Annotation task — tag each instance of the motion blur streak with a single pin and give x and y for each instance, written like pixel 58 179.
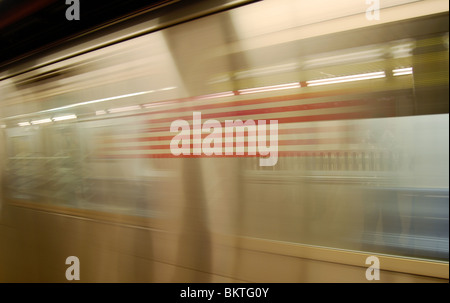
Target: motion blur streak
pixel 87 170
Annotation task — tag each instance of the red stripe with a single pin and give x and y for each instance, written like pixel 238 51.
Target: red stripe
pixel 280 154
pixel 245 102
pixel 218 104
pixel 345 140
pixel 269 110
pixel 309 118
pixel 230 104
pixel 239 103
pixel 304 130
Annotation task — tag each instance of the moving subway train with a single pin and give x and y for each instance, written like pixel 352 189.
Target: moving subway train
pixel 278 141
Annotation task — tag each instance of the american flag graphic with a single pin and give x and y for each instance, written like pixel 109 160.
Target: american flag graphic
pixel 309 123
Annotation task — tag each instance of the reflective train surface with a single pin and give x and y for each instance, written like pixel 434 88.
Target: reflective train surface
pixel 279 141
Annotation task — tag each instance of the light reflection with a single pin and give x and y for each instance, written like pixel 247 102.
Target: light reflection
pixel 41 121
pixel 123 109
pixel 62 118
pixel 269 88
pixel 343 79
pixel 402 71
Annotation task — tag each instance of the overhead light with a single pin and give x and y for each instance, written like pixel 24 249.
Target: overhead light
pixel 167 88
pixel 100 112
pixel 92 102
pixel 269 88
pixel 24 123
pixel 3 126
pixel 217 95
pixel 123 109
pixel 67 117
pixel 402 71
pixel 101 100
pixel 85 103
pixel 343 79
pixel 159 104
pixel 47 120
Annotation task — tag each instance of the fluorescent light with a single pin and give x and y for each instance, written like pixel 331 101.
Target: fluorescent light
pixel 92 102
pixel 217 95
pixel 167 88
pixel 24 123
pixel 85 103
pixel 399 70
pixel 47 120
pixel 343 79
pixel 67 117
pixel 402 71
pixel 102 100
pixel 269 88
pixel 100 112
pixel 159 104
pixel 123 109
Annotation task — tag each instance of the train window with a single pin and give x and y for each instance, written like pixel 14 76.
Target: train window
pixel 361 109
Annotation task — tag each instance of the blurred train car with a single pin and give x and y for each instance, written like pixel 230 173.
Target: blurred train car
pixel 361 166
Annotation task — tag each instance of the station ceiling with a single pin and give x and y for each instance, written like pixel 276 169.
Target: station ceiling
pixel 29 25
